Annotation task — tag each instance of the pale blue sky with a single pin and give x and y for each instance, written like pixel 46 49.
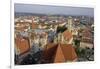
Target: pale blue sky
pixel 47 9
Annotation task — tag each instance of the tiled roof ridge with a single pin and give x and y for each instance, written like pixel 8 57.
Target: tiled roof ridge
pixel 62 50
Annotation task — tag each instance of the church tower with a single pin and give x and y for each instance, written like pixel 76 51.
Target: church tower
pixel 70 22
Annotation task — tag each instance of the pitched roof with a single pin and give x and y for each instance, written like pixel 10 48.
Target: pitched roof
pixel 49 52
pixel 67 35
pixel 22 44
pixel 65 53
pixel 87 36
pixel 86 33
pixel 59 56
pixel 57 53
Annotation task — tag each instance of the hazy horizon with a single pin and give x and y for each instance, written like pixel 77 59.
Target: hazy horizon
pixel 53 10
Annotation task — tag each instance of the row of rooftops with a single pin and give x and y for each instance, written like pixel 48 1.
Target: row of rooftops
pixel 52 52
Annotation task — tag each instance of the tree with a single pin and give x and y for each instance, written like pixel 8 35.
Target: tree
pixel 61 29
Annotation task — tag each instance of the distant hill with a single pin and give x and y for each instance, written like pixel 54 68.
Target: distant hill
pixel 17 14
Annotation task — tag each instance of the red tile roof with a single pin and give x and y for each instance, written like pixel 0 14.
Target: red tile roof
pixel 65 53
pixel 87 33
pixel 87 36
pixel 22 44
pixel 67 35
pixel 56 53
pixel 49 52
